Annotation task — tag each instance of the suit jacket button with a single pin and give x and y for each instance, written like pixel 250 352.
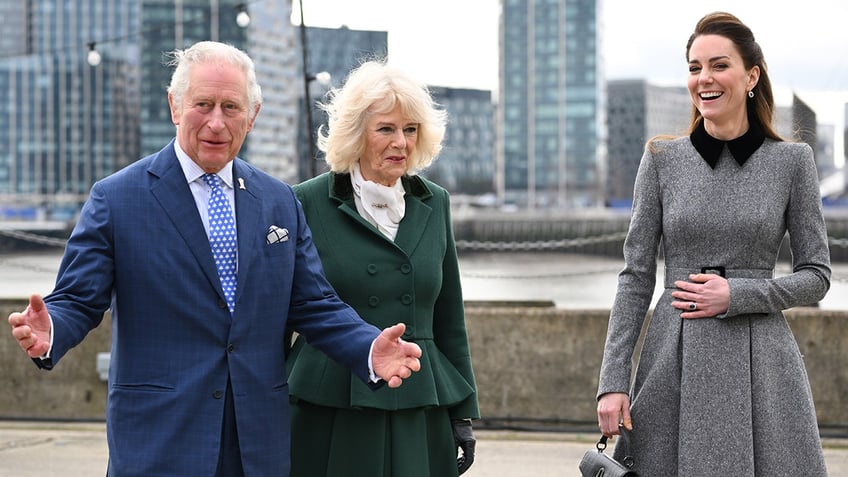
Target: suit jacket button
pixel 373 301
pixel 222 303
pixel 405 268
pixel 230 348
pixel 372 269
pixel 406 299
pixel 218 394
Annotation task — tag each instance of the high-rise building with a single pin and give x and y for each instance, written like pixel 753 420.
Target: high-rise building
pixel 804 124
pixel 636 112
pixel 551 114
pixel 14 16
pixel 825 161
pixel 845 150
pixel 273 43
pixel 65 123
pixel 466 164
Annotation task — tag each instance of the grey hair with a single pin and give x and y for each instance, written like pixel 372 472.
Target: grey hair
pixel 212 51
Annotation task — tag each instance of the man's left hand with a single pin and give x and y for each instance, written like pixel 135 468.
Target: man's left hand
pixel 394 359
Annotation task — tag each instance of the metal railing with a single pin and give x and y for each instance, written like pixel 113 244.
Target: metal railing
pixel 464 245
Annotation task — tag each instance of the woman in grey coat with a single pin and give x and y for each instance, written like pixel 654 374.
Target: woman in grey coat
pixel 720 387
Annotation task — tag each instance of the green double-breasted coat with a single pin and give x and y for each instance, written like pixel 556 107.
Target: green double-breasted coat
pixel 414 280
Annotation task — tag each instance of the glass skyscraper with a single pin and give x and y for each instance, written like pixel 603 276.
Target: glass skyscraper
pixel 466 162
pixel 65 124
pixel 551 115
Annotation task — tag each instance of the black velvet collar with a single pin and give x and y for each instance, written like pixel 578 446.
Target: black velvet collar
pixel 342 189
pixel 740 148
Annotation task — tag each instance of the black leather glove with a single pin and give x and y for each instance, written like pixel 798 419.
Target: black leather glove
pixel 463 436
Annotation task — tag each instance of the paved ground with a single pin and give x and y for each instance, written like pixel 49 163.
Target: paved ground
pixel 49 449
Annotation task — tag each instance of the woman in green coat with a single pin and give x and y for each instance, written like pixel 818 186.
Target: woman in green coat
pixel 386 243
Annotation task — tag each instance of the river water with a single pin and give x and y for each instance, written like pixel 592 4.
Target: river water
pixel 568 280
pixel 578 281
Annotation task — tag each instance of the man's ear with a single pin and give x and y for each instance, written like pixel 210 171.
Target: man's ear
pixel 255 114
pixel 175 109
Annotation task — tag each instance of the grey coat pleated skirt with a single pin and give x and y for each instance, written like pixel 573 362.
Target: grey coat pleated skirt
pixel 727 395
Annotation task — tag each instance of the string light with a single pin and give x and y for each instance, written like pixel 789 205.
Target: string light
pixel 93 57
pixel 323 78
pixel 242 18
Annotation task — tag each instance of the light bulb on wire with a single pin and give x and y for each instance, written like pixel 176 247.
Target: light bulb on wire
pixel 93 58
pixel 242 18
pixel 323 78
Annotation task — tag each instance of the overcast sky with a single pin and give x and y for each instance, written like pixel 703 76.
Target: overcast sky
pixel 455 42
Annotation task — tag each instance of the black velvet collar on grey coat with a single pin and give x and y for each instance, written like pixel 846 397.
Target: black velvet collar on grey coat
pixel 342 188
pixel 740 148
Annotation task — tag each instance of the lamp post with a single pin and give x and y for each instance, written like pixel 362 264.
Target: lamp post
pixel 307 102
pixel 323 78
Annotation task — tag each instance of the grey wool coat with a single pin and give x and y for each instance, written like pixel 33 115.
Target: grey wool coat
pixel 728 395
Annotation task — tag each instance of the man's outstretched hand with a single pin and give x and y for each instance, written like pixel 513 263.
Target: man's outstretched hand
pixel 31 327
pixel 394 359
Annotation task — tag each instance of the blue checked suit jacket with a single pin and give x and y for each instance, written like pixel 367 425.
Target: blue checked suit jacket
pixel 140 249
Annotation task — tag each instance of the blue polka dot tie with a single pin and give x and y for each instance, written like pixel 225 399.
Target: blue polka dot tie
pixel 222 237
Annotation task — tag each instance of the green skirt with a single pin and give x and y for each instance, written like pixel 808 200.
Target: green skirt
pixel 332 442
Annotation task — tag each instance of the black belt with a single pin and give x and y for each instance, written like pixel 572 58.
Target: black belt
pixel 674 274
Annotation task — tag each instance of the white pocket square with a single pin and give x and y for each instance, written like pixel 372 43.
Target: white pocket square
pixel 276 234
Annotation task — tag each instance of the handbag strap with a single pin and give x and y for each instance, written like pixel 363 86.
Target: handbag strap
pixel 602 445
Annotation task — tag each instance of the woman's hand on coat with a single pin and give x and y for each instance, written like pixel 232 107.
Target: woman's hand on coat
pixel 704 296
pixel 394 359
pixel 614 412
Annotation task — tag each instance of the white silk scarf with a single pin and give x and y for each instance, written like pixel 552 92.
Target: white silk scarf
pixel 380 205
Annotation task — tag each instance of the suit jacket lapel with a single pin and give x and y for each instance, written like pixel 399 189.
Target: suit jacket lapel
pixel 251 231
pixel 174 196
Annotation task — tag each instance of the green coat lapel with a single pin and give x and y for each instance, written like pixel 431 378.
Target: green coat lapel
pixel 415 219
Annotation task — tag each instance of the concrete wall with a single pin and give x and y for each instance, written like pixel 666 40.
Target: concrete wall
pixel 536 366
pixel 73 390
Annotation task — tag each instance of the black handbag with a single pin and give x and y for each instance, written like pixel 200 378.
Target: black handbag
pixel 597 464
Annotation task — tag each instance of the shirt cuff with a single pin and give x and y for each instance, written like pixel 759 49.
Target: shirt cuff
pixel 371 375
pixel 46 355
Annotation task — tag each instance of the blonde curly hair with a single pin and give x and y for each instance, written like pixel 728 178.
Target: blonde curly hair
pixel 375 87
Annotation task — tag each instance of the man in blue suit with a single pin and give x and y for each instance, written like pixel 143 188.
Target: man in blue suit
pixel 197 383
